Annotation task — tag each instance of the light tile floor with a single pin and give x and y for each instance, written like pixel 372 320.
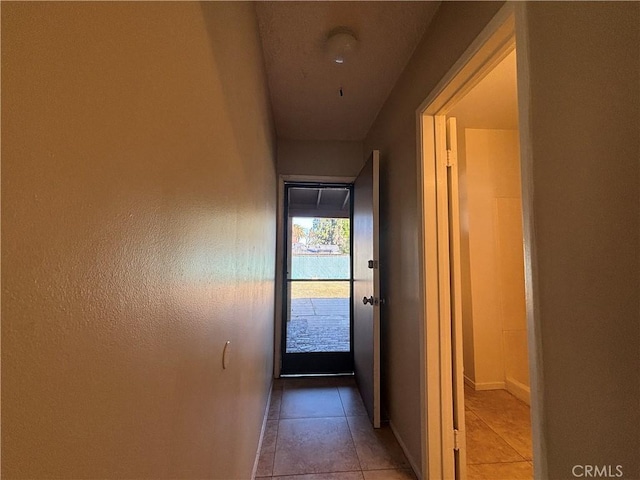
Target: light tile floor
pixel 498 436
pixel 318 429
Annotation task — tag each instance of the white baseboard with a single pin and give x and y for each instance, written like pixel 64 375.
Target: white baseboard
pixel 416 469
pixel 484 385
pixel 519 390
pixel 469 383
pixel 264 428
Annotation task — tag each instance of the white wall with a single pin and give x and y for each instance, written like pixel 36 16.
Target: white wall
pixel 138 215
pixel 319 157
pixel 493 225
pixel 583 126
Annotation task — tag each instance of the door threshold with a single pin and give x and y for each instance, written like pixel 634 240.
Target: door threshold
pixel 305 375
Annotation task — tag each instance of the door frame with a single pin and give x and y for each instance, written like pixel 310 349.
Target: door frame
pixel 280 248
pixel 496 40
pixel 314 363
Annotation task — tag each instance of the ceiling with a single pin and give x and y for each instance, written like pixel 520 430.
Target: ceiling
pixel 493 102
pixel 305 83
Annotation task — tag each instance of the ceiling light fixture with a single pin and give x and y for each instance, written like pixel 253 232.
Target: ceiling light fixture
pixel 341 42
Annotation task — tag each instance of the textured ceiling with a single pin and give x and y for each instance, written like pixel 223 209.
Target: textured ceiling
pixel 304 83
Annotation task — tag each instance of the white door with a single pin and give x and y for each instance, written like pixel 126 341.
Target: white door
pixel 456 301
pixel 450 285
pixel 366 286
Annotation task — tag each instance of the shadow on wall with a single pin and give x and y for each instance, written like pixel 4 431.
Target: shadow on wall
pixel 228 44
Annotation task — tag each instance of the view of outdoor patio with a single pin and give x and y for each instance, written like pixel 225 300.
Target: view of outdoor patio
pixel 319 318
pixel 319 287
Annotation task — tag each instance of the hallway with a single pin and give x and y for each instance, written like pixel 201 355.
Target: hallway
pixel 145 149
pixel 318 429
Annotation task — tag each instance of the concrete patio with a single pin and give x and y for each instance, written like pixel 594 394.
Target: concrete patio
pixel 318 325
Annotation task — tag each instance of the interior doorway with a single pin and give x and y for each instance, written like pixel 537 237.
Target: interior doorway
pixel 490 267
pixel 317 331
pixel 477 340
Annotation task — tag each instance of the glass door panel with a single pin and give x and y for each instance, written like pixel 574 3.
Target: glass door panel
pixel 317 333
pixel 319 317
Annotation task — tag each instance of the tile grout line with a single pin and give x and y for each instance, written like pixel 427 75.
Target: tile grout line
pixel 353 441
pixel 501 438
pixel 275 447
pixel 344 410
pixel 478 413
pixel 505 440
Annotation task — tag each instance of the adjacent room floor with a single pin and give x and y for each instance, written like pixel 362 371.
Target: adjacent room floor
pixel 498 436
pixel 318 429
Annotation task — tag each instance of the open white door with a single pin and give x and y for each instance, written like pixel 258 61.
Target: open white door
pixel 444 385
pixel 366 286
pixel 455 272
pixel 450 301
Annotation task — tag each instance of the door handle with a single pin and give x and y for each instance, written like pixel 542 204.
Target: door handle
pixel 371 300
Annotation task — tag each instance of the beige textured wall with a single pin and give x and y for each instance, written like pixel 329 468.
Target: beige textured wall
pixel 496 270
pixel 455 25
pixel 584 130
pixel 138 230
pixel 319 158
